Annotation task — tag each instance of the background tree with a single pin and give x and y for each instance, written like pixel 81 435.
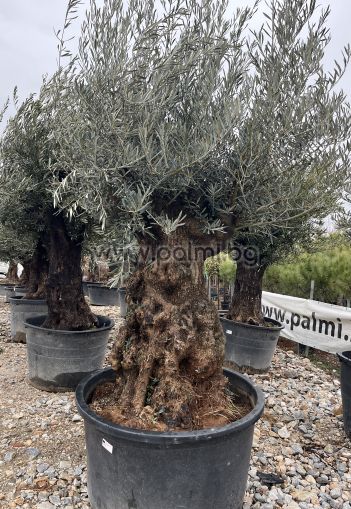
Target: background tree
pixel 327 261
pixel 27 154
pixel 15 250
pixel 293 148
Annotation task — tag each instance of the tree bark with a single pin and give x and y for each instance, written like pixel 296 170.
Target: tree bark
pixel 38 273
pixel 68 309
pixel 11 275
pixel 169 355
pixel 246 305
pixel 23 280
pixel 90 270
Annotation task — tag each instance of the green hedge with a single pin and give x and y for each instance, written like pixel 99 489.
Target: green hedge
pixel 330 269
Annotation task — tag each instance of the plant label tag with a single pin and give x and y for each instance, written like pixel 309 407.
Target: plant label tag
pixel 229 331
pixel 107 446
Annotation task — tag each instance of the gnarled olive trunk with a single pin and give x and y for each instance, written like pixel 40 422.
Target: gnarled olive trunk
pixel 68 309
pixel 246 305
pixel 169 355
pixel 38 273
pixel 11 275
pixel 24 278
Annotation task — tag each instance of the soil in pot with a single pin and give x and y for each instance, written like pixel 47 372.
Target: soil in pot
pixel 105 404
pixel 59 359
pixel 250 348
pixel 345 377
pixel 200 469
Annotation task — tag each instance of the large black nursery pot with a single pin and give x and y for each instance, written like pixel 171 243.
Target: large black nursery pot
pixel 20 291
pixel 7 291
pixel 345 376
pixel 131 468
pixel 3 287
pixel 251 347
pixel 20 310
pixel 58 360
pixel 100 295
pixel 85 286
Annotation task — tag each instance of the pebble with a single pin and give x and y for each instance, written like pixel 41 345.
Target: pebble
pixel 45 505
pixel 32 452
pixel 283 432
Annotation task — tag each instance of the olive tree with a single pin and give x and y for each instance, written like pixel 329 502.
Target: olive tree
pixel 27 156
pixel 154 101
pixel 293 148
pixel 21 205
pixel 16 250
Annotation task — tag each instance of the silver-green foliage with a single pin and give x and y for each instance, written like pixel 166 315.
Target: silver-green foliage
pixel 14 247
pixel 155 98
pixel 171 116
pixel 293 150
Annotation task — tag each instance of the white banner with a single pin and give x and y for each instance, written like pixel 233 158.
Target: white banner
pixel 309 322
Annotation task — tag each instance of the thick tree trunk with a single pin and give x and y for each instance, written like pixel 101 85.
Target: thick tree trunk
pixel 68 309
pixel 246 305
pixel 169 355
pixel 24 279
pixel 11 275
pixel 38 273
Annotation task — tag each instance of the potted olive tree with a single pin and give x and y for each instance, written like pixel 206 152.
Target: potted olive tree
pixel 27 297
pixel 292 149
pixel 222 268
pixel 23 247
pixel 17 250
pixel 68 341
pixel 155 98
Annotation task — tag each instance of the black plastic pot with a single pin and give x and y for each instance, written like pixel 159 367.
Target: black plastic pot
pixel 85 286
pixel 103 295
pixel 3 287
pixel 345 376
pixel 58 360
pixel 20 310
pixel 9 292
pixel 131 468
pixel 250 347
pixel 123 307
pixel 20 291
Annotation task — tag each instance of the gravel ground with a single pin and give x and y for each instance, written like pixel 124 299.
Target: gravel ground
pixel 301 458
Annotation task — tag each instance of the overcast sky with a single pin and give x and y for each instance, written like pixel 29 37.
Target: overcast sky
pixel 28 47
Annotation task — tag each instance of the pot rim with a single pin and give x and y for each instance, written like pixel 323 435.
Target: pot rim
pixel 278 325
pixel 87 385
pixel 343 358
pixel 18 299
pixel 107 326
pixel 103 287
